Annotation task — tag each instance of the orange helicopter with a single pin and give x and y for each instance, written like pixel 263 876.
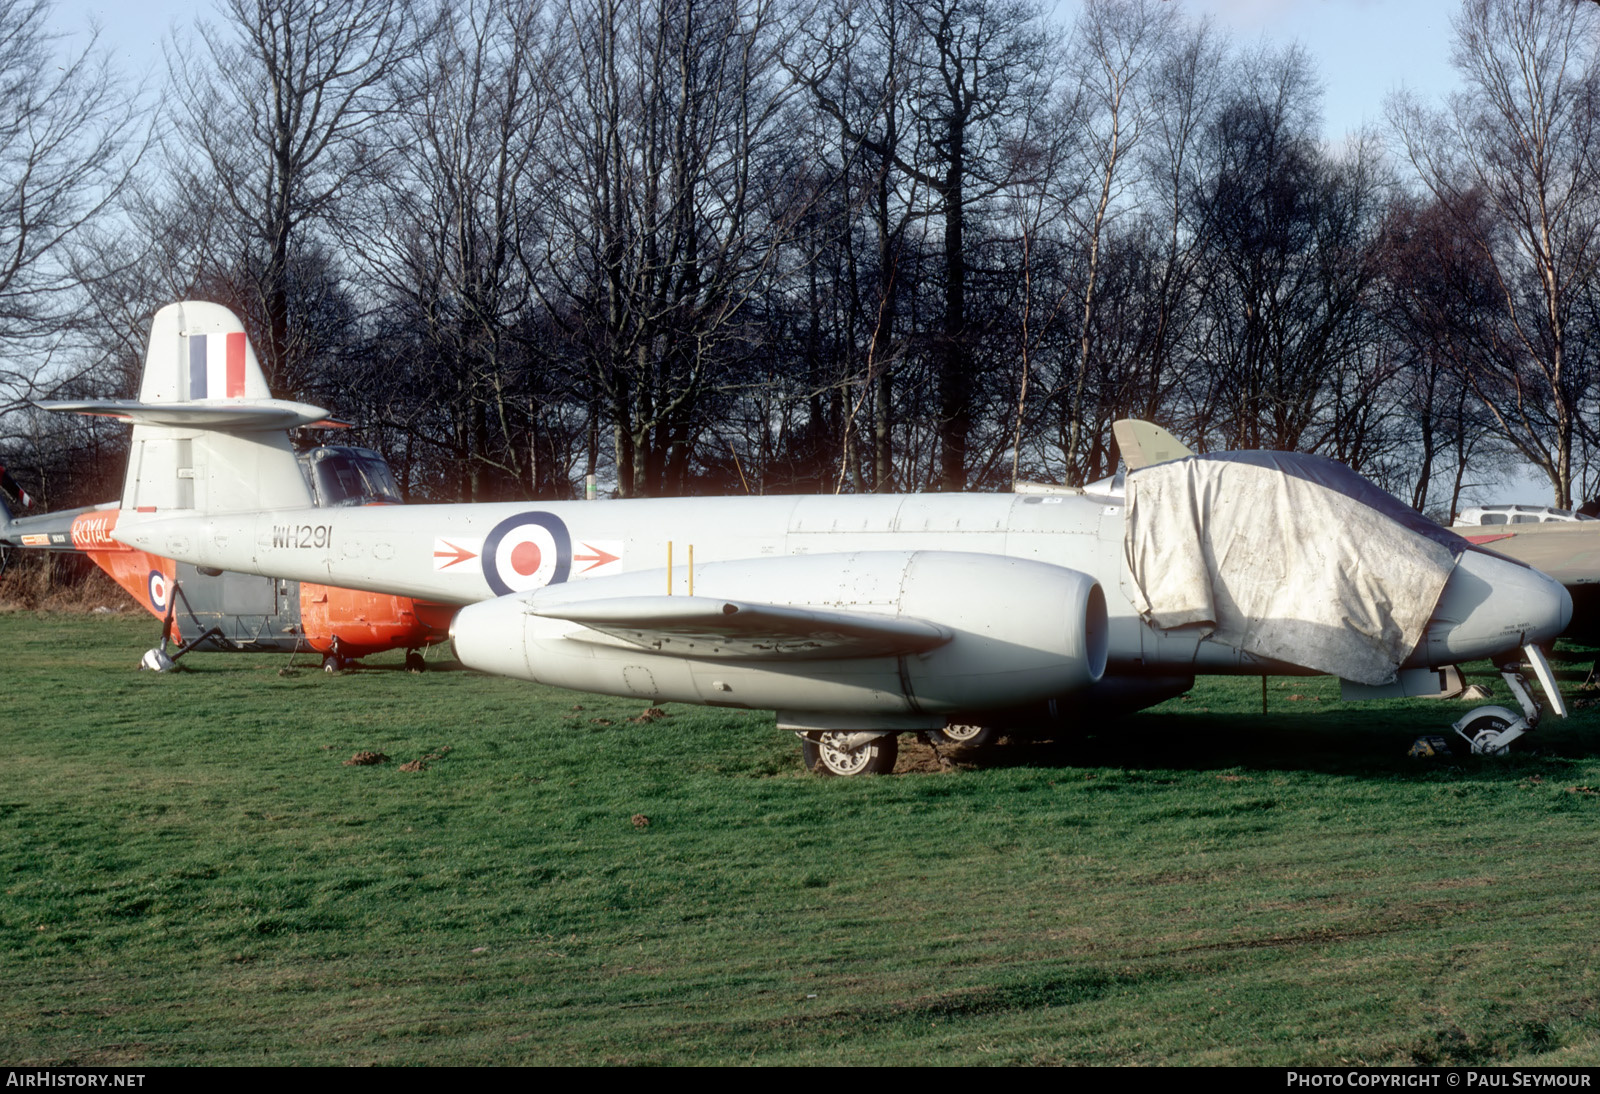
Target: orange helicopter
pixel 207 609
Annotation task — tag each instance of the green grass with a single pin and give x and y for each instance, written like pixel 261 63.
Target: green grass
pixel 189 873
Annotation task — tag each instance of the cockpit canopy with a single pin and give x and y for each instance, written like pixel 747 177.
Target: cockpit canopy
pixel 341 475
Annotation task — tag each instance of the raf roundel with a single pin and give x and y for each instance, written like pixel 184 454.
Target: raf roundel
pixel 157 584
pixel 527 551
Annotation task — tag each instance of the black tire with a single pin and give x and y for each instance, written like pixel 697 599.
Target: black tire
pixel 966 735
pixel 332 663
pixel 876 757
pixel 414 661
pixel 1487 723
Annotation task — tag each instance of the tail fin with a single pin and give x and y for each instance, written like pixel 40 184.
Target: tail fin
pixel 207 435
pixel 1145 443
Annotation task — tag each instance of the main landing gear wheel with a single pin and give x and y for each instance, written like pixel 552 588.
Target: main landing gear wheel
pixel 966 735
pixel 414 661
pixel 824 754
pixel 332 663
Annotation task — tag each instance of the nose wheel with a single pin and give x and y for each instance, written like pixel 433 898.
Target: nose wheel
pixel 1489 730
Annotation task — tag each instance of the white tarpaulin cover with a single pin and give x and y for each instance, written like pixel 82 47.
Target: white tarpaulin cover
pixel 1286 556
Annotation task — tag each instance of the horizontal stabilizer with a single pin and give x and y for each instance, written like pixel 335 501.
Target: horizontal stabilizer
pixel 232 414
pixel 712 627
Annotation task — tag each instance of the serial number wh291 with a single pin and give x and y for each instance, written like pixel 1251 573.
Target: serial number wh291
pixel 302 535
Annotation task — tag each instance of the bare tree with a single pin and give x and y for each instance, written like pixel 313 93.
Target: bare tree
pixel 71 134
pixel 280 122
pixel 454 238
pixel 677 192
pixel 1436 302
pixel 984 69
pixel 960 80
pixel 1116 43
pixel 68 144
pixel 1524 138
pixel 1288 234
pixel 855 60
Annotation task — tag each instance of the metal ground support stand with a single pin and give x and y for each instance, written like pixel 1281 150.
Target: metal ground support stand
pixel 1490 730
pixel 158 659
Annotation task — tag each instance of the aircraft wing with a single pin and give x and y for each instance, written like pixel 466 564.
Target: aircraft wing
pixel 737 630
pixel 1568 552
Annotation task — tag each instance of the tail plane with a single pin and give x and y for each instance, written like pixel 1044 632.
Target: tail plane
pixel 207 435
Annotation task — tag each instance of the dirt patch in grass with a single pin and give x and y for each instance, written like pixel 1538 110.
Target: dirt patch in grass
pixel 421 762
pixel 916 756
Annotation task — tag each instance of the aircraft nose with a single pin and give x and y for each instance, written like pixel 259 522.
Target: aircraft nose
pixel 1493 606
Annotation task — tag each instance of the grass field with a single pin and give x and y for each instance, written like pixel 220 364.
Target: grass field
pixel 193 874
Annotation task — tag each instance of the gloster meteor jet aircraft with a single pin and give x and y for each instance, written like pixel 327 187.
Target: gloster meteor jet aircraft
pixel 855 618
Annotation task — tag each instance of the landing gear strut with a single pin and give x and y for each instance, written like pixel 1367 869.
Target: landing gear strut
pixel 157 659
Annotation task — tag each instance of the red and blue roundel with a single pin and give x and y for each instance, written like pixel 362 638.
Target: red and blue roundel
pixel 159 591
pixel 525 552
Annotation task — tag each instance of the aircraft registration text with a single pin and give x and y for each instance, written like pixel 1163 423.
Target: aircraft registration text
pixel 302 535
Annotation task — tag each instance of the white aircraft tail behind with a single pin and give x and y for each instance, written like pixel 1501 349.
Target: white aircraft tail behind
pixel 207 435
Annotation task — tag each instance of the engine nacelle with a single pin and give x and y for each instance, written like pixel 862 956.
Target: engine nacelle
pixel 1020 631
